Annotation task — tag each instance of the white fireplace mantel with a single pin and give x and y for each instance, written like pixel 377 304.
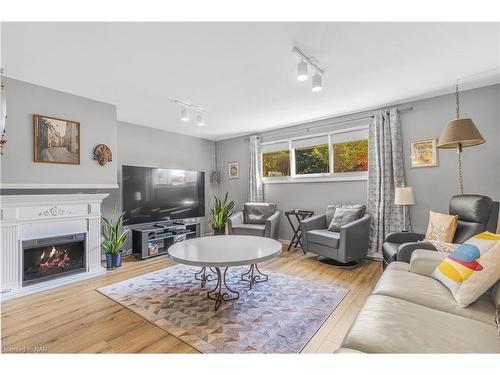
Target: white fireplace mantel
pixel 27 217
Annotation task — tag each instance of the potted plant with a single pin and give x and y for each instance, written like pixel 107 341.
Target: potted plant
pixel 114 238
pixel 219 214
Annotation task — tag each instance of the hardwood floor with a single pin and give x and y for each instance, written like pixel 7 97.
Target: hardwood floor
pixel 78 319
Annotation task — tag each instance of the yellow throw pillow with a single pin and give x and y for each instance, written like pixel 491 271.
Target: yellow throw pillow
pixel 472 268
pixel 441 227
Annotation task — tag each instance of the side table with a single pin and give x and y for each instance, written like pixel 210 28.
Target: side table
pixel 299 216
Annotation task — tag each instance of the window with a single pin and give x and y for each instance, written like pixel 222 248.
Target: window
pixel 341 154
pixel 276 164
pixel 350 156
pixel 311 160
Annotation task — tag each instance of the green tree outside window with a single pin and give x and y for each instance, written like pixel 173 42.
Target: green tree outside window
pixel 350 156
pixel 311 160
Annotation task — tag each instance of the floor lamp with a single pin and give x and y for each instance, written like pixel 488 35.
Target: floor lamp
pixel 404 197
pixel 460 133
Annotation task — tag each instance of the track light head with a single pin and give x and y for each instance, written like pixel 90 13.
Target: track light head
pixel 184 113
pixel 302 70
pixel 199 119
pixel 316 83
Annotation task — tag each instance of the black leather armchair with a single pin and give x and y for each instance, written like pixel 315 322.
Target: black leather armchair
pixel 476 214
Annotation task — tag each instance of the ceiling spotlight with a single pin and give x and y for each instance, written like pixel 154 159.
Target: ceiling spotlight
pixel 184 113
pixel 302 70
pixel 306 62
pixel 316 83
pixel 199 119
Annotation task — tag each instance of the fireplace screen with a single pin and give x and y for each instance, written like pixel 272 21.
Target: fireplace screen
pixel 47 258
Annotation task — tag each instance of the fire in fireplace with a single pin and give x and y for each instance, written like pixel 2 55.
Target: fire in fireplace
pixel 46 258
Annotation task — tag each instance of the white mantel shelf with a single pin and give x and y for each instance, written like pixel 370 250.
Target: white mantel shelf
pixel 26 217
pixel 27 186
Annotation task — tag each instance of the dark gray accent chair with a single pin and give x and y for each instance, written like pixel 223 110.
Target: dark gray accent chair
pixel 256 219
pixel 476 214
pixel 345 248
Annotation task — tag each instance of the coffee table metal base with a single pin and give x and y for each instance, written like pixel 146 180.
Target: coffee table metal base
pixel 206 274
pixel 221 292
pixel 253 275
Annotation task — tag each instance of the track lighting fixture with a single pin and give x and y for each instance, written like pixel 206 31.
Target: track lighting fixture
pixel 302 70
pixel 199 119
pixel 185 110
pixel 316 83
pixel 184 113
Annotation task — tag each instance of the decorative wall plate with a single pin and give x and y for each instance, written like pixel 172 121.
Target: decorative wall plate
pixel 103 154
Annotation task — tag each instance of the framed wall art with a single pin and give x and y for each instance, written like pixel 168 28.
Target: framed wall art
pixel 56 140
pixel 233 169
pixel 424 153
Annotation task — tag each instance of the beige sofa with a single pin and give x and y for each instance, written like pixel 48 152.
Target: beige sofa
pixel 410 312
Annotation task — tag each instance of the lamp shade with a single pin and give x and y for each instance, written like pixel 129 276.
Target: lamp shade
pixel 404 196
pixel 461 132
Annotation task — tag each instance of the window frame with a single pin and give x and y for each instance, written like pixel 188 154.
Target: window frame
pixel 316 177
pixel 281 178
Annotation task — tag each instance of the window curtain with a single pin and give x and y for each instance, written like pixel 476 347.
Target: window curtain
pixel 255 188
pixel 385 173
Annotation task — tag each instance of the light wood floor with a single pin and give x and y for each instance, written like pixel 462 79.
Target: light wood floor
pixel 76 318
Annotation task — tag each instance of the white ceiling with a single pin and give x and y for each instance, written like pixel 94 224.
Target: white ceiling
pixel 244 73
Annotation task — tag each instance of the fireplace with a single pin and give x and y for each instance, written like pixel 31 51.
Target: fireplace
pixel 48 258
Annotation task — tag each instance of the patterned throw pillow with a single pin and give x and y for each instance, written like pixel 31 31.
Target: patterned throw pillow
pixel 472 268
pixel 441 227
pixel 343 216
pixel 445 247
pixel 330 210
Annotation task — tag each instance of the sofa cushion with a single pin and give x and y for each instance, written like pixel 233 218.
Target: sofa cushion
pixel 324 237
pixel 391 325
pixel 390 251
pixel 425 291
pixel 472 269
pixel 399 266
pixel 330 210
pixel 258 213
pixel 424 262
pixel 343 216
pixel 441 227
pixel 249 229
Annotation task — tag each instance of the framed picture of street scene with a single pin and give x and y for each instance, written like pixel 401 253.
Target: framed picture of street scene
pixel 56 140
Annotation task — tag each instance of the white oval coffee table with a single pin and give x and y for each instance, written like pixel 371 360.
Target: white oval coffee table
pixel 216 252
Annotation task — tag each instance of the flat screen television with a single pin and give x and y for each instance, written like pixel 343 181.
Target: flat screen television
pixel 155 194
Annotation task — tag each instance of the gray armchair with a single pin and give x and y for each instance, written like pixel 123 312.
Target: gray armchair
pixel 346 247
pixel 256 219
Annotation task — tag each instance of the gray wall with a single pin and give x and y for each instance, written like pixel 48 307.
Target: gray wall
pixel 147 147
pixel 433 186
pixel 97 125
pixel 131 145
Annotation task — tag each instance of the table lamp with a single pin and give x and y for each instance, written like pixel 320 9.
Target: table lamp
pixel 404 197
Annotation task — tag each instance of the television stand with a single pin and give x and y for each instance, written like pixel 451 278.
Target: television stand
pixel 154 239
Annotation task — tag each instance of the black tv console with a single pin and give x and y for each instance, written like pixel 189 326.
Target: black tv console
pixel 154 239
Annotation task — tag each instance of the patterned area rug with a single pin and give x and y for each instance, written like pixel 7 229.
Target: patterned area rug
pixel 277 316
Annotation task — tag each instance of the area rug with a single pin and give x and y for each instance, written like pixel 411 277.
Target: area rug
pixel 277 316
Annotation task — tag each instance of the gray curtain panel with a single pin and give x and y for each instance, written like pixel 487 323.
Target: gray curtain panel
pixel 385 172
pixel 255 188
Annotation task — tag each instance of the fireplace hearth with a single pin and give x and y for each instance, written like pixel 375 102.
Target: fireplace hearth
pixel 48 258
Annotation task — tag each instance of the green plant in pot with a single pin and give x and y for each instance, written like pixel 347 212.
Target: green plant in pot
pixel 219 214
pixel 114 236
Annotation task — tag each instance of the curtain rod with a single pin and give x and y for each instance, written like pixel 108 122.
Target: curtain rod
pixel 407 109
